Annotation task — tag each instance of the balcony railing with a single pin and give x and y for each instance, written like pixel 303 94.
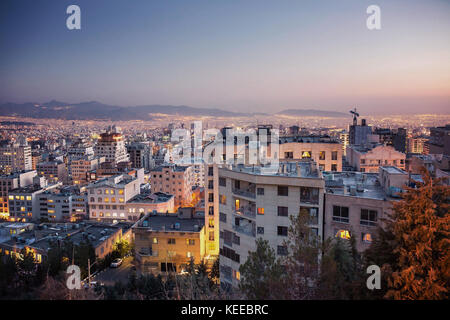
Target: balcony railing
pixel 247 230
pixel 246 211
pixel 244 193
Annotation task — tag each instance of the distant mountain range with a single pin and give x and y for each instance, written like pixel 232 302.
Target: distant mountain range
pixel 94 110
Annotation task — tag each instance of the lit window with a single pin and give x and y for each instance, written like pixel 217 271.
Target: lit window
pixel 366 237
pixel 260 210
pixel 121 200
pixel 121 191
pixel 344 234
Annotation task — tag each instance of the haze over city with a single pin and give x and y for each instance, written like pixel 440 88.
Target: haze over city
pixel 241 56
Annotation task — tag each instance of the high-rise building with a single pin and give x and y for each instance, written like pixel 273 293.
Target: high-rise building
pixel 253 204
pixel 140 155
pixel 15 157
pixel 359 134
pixel 111 145
pixel 439 142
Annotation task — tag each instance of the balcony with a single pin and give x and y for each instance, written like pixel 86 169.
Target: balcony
pixel 247 211
pixel 244 193
pixel 248 230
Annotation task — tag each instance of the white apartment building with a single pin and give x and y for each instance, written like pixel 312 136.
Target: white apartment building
pixel 254 204
pixel 107 197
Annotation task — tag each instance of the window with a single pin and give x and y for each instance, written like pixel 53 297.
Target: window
pixel 223 199
pixel 283 211
pixel 260 230
pixel 236 239
pixel 340 214
pixel 366 237
pixel 306 154
pixel 171 241
pixel 211 236
pixel 289 155
pixel 222 217
pixel 322 155
pixel 261 211
pixel 211 184
pixel 211 211
pixel 309 195
pixel 237 204
pixel 368 217
pixel 282 250
pixel 210 171
pixel 190 242
pixel 282 231
pixel 211 197
pixel 222 182
pixel 333 167
pixel 260 191
pixel 189 254
pixel 211 223
pixel 343 234
pixel 155 240
pixel 283 191
pixel 334 155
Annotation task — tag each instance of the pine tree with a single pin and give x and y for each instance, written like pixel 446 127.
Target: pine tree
pixel 261 274
pixel 421 227
pixel 302 261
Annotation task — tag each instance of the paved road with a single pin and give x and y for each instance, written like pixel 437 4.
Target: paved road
pixel 111 275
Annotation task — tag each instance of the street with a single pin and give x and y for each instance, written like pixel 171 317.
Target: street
pixel 111 275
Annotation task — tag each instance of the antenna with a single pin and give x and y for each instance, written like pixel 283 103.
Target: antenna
pixel 355 116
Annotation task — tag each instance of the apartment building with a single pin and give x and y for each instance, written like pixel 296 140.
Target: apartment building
pixel 111 145
pixel 357 203
pixel 369 159
pixel 147 202
pixel 439 142
pixel 10 182
pixel 80 168
pixel 23 201
pixel 53 171
pixel 15 157
pixel 166 243
pixel 175 180
pixel 325 151
pixel 253 204
pixel 140 155
pixel 107 197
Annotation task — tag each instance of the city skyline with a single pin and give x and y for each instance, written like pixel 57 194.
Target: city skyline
pixel 234 56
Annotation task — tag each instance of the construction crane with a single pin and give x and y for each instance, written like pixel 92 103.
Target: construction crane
pixel 355 116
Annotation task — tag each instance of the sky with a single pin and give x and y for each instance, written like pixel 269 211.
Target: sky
pixel 252 55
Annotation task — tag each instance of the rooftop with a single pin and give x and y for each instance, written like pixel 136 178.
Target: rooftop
pixel 170 223
pixel 299 168
pixel 307 139
pixel 157 197
pixel 356 184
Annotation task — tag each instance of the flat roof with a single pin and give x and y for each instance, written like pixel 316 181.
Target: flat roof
pixel 393 170
pixel 165 223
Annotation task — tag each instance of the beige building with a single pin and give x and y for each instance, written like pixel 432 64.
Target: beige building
pixel 53 171
pixel 81 167
pixel 175 180
pixel 370 159
pixel 255 204
pixel 326 152
pixel 111 145
pixel 166 242
pixel 356 203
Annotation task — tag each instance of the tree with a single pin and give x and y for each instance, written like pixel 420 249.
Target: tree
pixel 302 261
pixel 214 273
pixel 421 229
pixel 340 270
pixel 261 274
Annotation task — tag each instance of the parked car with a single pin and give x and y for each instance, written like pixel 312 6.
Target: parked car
pixel 116 263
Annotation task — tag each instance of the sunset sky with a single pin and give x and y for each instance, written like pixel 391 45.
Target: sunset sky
pixel 252 55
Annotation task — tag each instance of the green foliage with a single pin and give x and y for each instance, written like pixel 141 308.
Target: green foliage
pixel 261 274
